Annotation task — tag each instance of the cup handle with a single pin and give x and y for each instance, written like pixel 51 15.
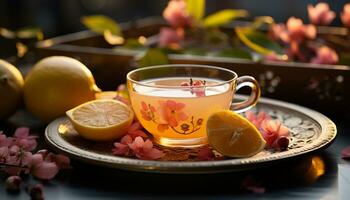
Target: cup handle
pixel 253 98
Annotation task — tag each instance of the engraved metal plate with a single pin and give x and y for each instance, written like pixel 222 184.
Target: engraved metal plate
pixel 310 131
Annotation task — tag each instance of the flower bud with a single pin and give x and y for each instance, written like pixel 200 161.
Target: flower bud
pixel 13 183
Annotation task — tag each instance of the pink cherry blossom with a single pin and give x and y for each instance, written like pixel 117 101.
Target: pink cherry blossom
pixel 257 119
pixel 345 15
pixel 176 14
pixel 279 32
pixel 24 140
pixel 5 141
pixel 171 113
pixel 62 161
pixel 144 149
pixel 205 153
pixel 325 55
pixel 41 168
pixel 13 183
pixel 272 131
pixel 196 87
pixel 320 14
pixel 169 37
pixel 135 130
pixel 122 148
pixel 293 32
pixel 298 31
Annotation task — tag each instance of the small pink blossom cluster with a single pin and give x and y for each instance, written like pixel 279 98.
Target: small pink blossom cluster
pixel 178 18
pixel 345 15
pixel 296 34
pixel 273 131
pixel 196 87
pixel 135 143
pixel 17 157
pixel 321 14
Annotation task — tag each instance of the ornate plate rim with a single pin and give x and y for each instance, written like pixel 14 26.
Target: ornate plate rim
pixel 328 134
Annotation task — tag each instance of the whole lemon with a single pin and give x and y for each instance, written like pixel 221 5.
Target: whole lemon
pixel 11 86
pixel 57 84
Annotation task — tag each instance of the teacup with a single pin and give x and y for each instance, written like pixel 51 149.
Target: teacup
pixel 173 102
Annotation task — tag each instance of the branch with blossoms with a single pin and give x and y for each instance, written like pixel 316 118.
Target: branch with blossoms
pixel 17 157
pixel 301 42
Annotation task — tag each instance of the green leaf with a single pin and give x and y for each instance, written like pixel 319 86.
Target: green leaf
pixel 153 57
pixel 195 51
pixel 223 17
pixel 258 41
pixel 132 43
pixel 101 23
pixel 196 8
pixel 235 53
pixel 30 32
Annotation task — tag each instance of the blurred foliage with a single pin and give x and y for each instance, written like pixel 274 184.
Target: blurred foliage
pixel 23 38
pixel 235 53
pixel 196 8
pixel 223 17
pixel 153 57
pixel 257 41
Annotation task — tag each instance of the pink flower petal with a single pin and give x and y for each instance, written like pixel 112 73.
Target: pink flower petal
pixel 144 106
pixel 325 55
pixel 182 116
pixel 171 104
pixel 127 139
pixel 176 14
pixel 345 153
pixel 162 127
pixel 320 14
pixel 35 160
pixel 137 133
pixel 172 121
pixel 45 171
pixel 345 15
pixel 120 149
pixel 135 126
pixel 205 154
pixel 180 106
pixel 4 153
pixel 152 154
pixel 62 161
pixel 22 132
pixel 147 145
pixel 5 141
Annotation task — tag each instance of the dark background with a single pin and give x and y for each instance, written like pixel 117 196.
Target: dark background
pixel 57 17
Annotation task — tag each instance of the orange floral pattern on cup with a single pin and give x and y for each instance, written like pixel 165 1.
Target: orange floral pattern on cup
pixel 170 114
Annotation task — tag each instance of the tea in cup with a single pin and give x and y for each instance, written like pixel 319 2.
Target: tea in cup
pixel 173 102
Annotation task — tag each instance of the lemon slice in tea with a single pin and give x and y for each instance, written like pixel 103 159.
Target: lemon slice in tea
pixel 232 135
pixel 101 120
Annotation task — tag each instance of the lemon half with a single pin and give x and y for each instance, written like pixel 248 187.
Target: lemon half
pixel 232 135
pixel 102 119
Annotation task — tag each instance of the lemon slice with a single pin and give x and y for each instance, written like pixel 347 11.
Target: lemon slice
pixel 102 119
pixel 232 135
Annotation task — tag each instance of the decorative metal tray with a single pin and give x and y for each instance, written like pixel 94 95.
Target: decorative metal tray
pixel 310 131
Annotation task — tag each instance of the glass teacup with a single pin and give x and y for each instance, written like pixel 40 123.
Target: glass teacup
pixel 173 102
